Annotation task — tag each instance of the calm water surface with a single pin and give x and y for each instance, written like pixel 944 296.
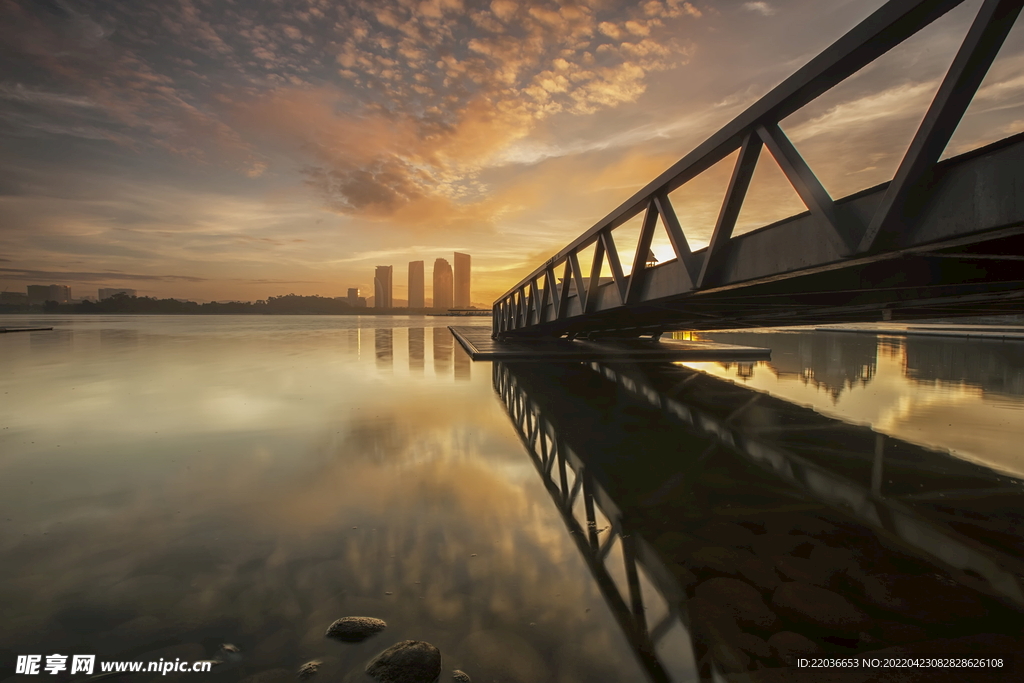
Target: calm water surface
pixel 172 484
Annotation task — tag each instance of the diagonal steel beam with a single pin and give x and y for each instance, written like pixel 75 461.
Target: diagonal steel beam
pixel 563 292
pixel 675 235
pixel 976 54
pixel 595 276
pixel 738 184
pixel 577 278
pixel 636 276
pixel 614 264
pixel 534 301
pixel 812 193
pixel 551 291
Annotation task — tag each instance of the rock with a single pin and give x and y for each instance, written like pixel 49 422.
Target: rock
pixel 712 561
pixel 309 669
pixel 754 645
pixel 460 676
pixel 712 622
pixel 410 661
pixel 770 546
pixel 726 533
pixel 786 646
pixel 797 523
pixel 802 602
pixel 715 560
pixel 759 573
pixel 740 600
pixel 977 644
pixel 355 629
pixel 687 579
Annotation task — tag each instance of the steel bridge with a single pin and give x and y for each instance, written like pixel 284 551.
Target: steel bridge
pixel 938 239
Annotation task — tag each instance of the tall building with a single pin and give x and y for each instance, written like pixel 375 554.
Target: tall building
pixel 38 294
pixel 382 287
pixel 353 296
pixel 444 297
pixel 107 292
pixel 461 280
pixel 416 297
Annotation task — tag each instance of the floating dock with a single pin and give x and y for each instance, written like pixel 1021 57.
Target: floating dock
pixel 479 345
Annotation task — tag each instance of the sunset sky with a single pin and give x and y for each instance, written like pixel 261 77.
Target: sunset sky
pixel 240 149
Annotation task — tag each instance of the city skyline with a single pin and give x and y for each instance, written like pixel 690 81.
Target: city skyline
pixel 234 151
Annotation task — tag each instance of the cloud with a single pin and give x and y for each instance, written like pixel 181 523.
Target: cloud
pixel 762 8
pixel 389 111
pixel 80 276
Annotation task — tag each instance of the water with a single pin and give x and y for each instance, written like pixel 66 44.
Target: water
pixel 172 484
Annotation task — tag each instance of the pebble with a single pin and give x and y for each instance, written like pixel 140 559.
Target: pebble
pixel 355 629
pixel 410 661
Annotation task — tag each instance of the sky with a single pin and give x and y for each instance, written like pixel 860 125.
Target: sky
pixel 241 149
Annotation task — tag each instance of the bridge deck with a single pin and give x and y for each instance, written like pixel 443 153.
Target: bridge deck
pixel 479 345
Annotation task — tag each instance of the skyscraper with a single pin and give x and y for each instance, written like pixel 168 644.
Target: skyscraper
pixel 443 292
pixel 353 296
pixel 416 298
pixel 461 280
pixel 382 287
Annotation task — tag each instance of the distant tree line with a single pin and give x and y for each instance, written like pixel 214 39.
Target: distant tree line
pixel 289 304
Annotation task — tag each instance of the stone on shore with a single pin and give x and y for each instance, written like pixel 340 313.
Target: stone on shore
pixel 803 603
pixel 355 629
pixel 410 661
pixel 309 669
pixel 741 600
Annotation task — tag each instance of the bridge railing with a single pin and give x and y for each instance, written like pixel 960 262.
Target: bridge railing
pixel 540 299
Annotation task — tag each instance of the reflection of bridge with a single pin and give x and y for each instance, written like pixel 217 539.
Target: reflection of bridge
pixel 939 238
pixel 654 453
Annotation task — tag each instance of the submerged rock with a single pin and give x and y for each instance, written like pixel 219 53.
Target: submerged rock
pixel 309 669
pixel 787 646
pixel 739 599
pixel 355 629
pixel 410 661
pixel 802 602
pixel 460 676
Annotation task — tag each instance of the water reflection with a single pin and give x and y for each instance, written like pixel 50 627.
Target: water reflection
pixel 757 530
pixel 416 347
pixel 382 346
pixel 995 367
pixel 463 364
pixel 963 395
pixel 443 348
pixel 203 489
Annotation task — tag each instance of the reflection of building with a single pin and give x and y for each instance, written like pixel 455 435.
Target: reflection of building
pixel 995 366
pixel 463 363
pixel 38 294
pixel 444 297
pixel 443 347
pixel 416 296
pixel 416 349
pixel 382 287
pixel 107 292
pixel 382 347
pixel 830 361
pixel 461 280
